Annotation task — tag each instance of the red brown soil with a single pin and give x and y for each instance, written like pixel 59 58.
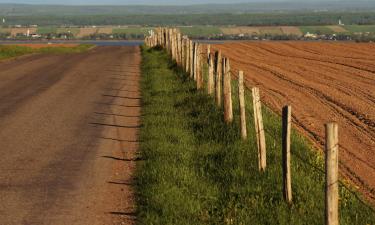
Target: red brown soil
pixel 322 82
pixel 37 46
pixel 69 137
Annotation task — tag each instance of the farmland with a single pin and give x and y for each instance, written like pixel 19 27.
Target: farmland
pixel 215 113
pixel 198 31
pixel 197 170
pixel 323 82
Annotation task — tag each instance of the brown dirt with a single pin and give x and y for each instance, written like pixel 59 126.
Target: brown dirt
pixel 86 31
pixel 15 31
pixel 322 82
pixel 69 137
pixel 338 29
pixel 105 30
pixel 291 30
pixel 252 30
pixel 240 30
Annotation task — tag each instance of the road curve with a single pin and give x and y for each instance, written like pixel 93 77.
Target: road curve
pixel 68 137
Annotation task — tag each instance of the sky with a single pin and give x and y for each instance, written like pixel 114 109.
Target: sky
pixel 148 2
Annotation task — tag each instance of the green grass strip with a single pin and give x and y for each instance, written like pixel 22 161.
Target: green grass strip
pixel 10 51
pixel 201 31
pixel 196 169
pixel 316 30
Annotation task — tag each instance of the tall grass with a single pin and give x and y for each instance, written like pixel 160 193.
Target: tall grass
pixel 196 169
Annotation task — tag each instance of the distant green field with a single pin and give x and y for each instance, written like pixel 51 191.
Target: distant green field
pixel 360 28
pixel 47 30
pixel 201 31
pixel 132 30
pixel 316 29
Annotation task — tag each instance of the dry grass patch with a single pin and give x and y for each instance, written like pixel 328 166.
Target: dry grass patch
pixel 338 29
pixel 291 30
pixel 15 31
pixel 105 30
pixel 87 31
pixel 240 30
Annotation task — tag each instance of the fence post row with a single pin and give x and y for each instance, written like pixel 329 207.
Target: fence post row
pixel 189 56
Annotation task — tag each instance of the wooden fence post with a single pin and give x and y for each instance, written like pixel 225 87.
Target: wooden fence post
pixel 195 57
pixel 287 178
pixel 241 98
pixel 210 82
pixel 191 59
pixel 259 129
pixel 208 53
pixel 199 69
pixel 218 82
pixel 187 56
pixel 169 41
pixel 227 89
pixel 178 48
pixel 175 44
pixel 173 41
pixel 183 51
pixel 332 187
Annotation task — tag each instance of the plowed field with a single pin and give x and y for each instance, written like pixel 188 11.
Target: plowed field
pixel 322 82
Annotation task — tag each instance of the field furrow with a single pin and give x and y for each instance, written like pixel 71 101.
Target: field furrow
pixel 322 82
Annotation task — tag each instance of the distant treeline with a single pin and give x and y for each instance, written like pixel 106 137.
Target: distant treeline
pixel 249 19
pixel 255 7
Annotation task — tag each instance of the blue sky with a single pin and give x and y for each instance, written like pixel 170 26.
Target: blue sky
pixel 125 2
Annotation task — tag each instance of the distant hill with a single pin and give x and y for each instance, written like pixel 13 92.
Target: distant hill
pixel 255 7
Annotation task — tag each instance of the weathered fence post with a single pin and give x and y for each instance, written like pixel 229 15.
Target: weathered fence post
pixel 259 129
pixel 191 59
pixel 332 187
pixel 227 89
pixel 179 39
pixel 210 82
pixel 173 46
pixel 187 56
pixel 208 53
pixel 199 69
pixel 183 55
pixel 241 98
pixel 286 129
pixel 195 61
pixel 218 82
pixel 178 48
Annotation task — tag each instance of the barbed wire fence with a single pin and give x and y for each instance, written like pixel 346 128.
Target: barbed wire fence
pixel 192 59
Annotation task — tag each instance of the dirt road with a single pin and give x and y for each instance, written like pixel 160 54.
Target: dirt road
pixel 322 82
pixel 68 137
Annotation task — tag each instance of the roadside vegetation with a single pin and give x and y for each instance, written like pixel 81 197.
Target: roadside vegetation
pixel 10 51
pixel 195 169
